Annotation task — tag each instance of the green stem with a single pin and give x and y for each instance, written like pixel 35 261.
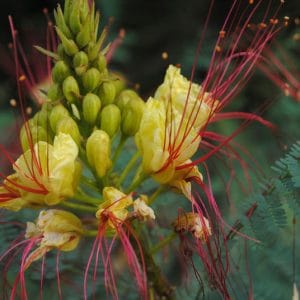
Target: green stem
pixel 137 180
pixel 128 168
pixel 118 150
pixel 160 288
pixel 156 194
pixel 79 207
pixel 81 196
pixel 163 243
pixel 91 233
pixel 90 183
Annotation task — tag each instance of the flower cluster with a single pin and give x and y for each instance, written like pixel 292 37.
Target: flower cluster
pixel 69 169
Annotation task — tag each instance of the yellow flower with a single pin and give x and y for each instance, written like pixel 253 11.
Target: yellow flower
pixel 56 229
pixel 169 131
pixel 46 174
pixel 116 203
pixel 10 198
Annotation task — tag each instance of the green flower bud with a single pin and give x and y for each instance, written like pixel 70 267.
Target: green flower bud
pixel 84 36
pixel 71 89
pixel 107 93
pixel 131 116
pixel 60 71
pixel 74 19
pixel 68 125
pixel 80 62
pixel 100 63
pixel 124 97
pixel 91 79
pixel 110 119
pixel 61 23
pixel 41 118
pixel 93 50
pixel 119 84
pixel 98 152
pixel 67 10
pixel 69 45
pixel 84 10
pixel 58 112
pixel 91 106
pixel 55 92
pixel 31 134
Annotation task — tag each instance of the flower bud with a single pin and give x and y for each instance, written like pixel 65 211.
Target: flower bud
pixel 124 97
pixel 71 89
pixel 61 23
pixel 55 92
pixel 91 106
pixel 69 45
pixel 91 79
pixel 110 119
pixel 107 93
pixel 98 152
pixel 60 71
pixel 41 118
pixel 100 63
pixel 80 62
pixel 58 112
pixel 68 126
pixel 74 19
pixel 93 50
pixel 83 37
pixel 31 134
pixel 131 116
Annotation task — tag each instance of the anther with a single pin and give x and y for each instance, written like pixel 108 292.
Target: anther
pixel 274 21
pixel 286 20
pixel 22 78
pixel 287 90
pixel 251 1
pixel 45 10
pixel 28 110
pixel 262 25
pixel 13 102
pixel 222 34
pixel 164 55
pixel 218 48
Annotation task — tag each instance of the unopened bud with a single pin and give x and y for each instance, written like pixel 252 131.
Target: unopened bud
pixel 131 116
pixel 69 45
pixel 80 62
pixel 41 118
pixel 71 89
pixel 98 152
pixel 74 19
pixel 83 37
pixel 68 126
pixel 91 106
pixel 107 93
pixel 91 79
pixel 61 23
pixel 60 71
pixel 100 63
pixel 110 119
pixel 124 97
pixel 58 112
pixel 55 92
pixel 31 134
pixel 93 50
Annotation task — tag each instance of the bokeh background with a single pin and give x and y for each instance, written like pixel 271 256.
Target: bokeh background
pixel 157 26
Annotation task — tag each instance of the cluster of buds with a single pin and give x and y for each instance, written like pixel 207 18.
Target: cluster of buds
pixel 72 144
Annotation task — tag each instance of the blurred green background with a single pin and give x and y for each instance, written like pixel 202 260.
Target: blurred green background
pixel 153 27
